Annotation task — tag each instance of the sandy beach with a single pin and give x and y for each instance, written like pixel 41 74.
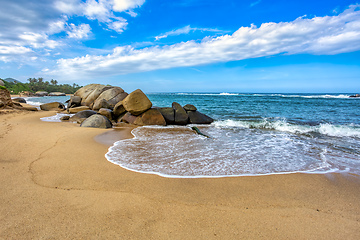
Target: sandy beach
pixel 57 184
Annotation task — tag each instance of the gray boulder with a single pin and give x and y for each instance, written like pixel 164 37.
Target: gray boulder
pixel 181 117
pixel 168 114
pixel 97 121
pixel 65 118
pixel 81 116
pixel 196 117
pixel 136 102
pixel 2 83
pixel 53 106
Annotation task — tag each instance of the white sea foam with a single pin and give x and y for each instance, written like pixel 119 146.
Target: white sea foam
pixel 55 118
pixel 283 126
pixel 179 152
pixel 229 94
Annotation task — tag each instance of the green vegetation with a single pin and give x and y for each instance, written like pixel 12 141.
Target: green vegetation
pixel 38 84
pixel 2 87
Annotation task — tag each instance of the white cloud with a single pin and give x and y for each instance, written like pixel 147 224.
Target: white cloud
pixel 319 35
pixel 79 32
pixel 101 10
pixel 186 30
pixel 123 5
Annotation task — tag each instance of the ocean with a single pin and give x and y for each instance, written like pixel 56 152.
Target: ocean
pixel 253 134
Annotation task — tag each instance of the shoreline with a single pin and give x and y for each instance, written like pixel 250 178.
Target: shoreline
pixel 57 183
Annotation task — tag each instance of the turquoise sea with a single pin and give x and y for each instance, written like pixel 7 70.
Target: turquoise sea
pixel 253 134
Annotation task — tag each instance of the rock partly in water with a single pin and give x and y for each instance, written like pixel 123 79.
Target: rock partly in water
pixel 196 117
pixel 355 96
pixel 57 94
pixel 106 112
pixel 53 106
pixel 77 109
pixel 97 121
pixel 19 100
pixel 168 114
pixel 150 117
pixel 81 116
pixel 189 107
pixel 181 117
pixel 136 102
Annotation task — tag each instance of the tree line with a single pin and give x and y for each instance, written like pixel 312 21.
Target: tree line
pixel 38 84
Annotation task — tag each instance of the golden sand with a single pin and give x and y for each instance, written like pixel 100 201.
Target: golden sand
pixel 57 184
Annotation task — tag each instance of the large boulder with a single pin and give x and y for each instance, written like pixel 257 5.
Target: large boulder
pixel 150 117
pixel 41 93
pixel 168 114
pixel 57 94
pixel 19 100
pixel 74 110
pixel 196 117
pixel 74 101
pixel 101 104
pixel 181 117
pixel 136 102
pixel 53 106
pixel 112 96
pixel 89 100
pixel 86 90
pixel 81 116
pixel 97 121
pixel 2 83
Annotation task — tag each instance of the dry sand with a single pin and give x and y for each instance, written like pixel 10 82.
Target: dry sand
pixel 57 184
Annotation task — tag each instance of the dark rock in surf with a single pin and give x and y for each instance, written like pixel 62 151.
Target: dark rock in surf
pixel 168 114
pixel 181 117
pixel 196 117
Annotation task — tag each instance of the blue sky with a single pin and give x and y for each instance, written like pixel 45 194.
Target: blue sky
pixel 185 45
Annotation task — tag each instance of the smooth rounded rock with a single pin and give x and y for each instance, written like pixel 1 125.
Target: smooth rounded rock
pixel 97 121
pixel 181 117
pixel 136 102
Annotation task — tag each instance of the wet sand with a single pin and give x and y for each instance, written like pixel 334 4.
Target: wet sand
pixel 55 183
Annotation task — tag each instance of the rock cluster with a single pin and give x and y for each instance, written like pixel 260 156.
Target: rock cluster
pixel 97 105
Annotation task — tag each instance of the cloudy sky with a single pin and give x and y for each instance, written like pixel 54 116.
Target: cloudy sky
pixel 185 45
